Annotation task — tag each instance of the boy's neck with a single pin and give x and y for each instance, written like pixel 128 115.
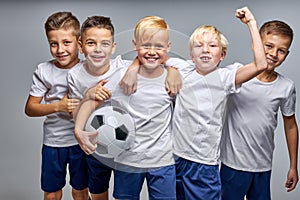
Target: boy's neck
pixel 69 66
pixel 96 71
pixel 267 76
pixel 151 72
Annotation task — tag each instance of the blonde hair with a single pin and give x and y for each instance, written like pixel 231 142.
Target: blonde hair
pixel 198 33
pixel 150 23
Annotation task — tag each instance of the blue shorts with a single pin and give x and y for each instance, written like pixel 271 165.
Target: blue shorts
pixel 54 164
pixel 197 181
pixel 160 183
pixel 237 184
pixel 99 175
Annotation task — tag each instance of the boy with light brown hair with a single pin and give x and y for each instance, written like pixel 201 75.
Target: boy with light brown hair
pixel 60 148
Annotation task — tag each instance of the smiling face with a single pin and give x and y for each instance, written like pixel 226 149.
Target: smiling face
pixel 63 47
pixel 152 47
pixel 97 45
pixel 276 48
pixel 206 52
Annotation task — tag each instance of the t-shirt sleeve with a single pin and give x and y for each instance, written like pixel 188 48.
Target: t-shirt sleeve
pixel 38 86
pixel 120 62
pixel 184 66
pixel 72 89
pixel 288 105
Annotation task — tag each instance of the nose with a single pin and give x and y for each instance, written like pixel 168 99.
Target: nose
pixel 151 50
pixel 60 48
pixel 98 48
pixel 205 48
pixel 272 52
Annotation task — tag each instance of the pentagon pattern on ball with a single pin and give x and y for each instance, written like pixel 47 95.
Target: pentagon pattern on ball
pixel 116 130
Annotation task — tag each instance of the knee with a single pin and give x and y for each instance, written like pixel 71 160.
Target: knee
pixel 80 194
pixel 53 195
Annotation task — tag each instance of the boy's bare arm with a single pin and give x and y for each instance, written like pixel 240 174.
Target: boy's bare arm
pixel 291 132
pixel 34 107
pixel 86 140
pixel 259 64
pixel 129 81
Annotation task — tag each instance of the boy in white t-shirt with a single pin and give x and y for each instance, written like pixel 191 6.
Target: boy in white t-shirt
pixel 48 97
pixel 97 44
pixel 247 143
pixel 201 104
pixel 151 156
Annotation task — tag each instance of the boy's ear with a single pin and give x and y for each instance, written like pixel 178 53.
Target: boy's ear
pixel 134 45
pixel 79 44
pixel 114 45
pixel 223 55
pixel 169 46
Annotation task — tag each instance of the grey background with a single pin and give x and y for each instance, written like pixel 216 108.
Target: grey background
pixel 24 45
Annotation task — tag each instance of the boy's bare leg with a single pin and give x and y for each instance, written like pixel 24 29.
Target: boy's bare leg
pixel 80 194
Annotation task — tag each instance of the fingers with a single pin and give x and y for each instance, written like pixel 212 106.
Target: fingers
pixel 102 93
pixel 89 149
pixel 290 185
pixel 240 13
pixel 72 104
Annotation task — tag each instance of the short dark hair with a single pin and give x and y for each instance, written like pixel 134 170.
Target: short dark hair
pixel 99 22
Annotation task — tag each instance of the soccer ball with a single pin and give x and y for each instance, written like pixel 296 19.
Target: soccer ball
pixel 116 130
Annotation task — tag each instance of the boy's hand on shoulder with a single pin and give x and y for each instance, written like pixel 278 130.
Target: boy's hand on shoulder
pixel 129 81
pixel 245 15
pixel 173 81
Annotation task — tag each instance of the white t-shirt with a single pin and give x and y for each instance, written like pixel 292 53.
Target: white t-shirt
pixel 50 82
pixel 199 111
pixel 151 108
pixel 79 80
pixel 248 133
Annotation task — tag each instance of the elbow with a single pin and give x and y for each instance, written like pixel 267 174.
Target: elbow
pixel 29 112
pixel 262 66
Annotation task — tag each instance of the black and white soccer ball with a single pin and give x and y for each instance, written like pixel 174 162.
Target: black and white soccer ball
pixel 116 130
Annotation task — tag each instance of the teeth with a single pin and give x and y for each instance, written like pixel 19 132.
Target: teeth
pixel 151 59
pixel 205 58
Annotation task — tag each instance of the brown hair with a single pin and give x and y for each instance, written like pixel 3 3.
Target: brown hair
pixel 277 27
pixel 62 20
pixel 99 22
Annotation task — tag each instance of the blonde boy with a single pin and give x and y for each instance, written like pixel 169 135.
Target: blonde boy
pixel 151 156
pixel 200 106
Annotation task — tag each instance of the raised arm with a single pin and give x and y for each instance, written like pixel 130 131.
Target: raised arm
pixel 291 133
pixel 259 63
